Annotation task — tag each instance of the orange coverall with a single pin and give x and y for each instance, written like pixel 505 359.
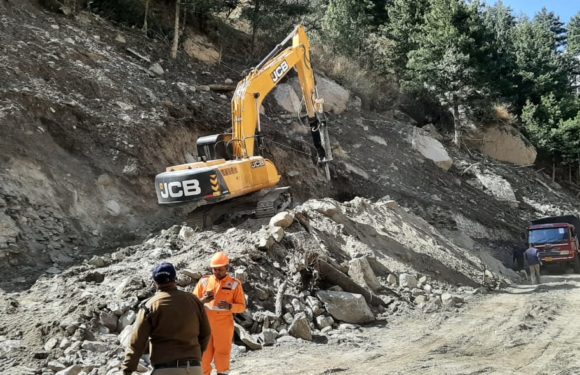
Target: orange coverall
pixel 221 321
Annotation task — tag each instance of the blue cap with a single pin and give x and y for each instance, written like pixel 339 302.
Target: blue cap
pixel 164 273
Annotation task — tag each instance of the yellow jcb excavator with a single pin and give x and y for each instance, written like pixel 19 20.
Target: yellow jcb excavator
pixel 229 166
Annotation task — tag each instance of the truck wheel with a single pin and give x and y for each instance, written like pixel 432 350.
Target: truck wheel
pixel 577 264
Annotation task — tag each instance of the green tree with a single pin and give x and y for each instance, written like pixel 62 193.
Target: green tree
pixel 273 18
pixel 541 122
pixel 346 24
pixel 574 35
pixel 573 51
pixel 540 69
pixel 500 65
pixel 553 23
pixel 442 64
pixel 568 134
pixel 553 125
pixel 406 20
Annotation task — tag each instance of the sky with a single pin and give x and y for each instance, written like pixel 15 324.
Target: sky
pixel 566 9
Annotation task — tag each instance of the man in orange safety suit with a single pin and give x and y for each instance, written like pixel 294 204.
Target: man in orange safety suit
pixel 223 297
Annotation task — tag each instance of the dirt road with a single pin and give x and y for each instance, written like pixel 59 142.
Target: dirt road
pixel 522 330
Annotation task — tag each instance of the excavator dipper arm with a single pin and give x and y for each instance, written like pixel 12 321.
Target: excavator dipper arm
pixel 252 90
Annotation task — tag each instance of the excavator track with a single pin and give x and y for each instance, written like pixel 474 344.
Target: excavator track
pixel 265 203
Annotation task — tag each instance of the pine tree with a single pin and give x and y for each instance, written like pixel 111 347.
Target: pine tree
pixel 273 18
pixel 574 35
pixel 442 64
pixel 345 25
pixel 406 19
pixel 553 23
pixel 540 69
pixel 500 66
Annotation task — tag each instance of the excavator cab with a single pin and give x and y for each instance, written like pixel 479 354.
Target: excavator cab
pixel 215 146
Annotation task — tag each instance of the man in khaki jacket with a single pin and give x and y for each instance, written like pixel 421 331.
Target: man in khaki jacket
pixel 177 326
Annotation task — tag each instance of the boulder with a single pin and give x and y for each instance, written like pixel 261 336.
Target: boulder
pixel 324 321
pixel 300 327
pixel 112 207
pixel 194 275
pixel 125 336
pixel 286 98
pixel 200 48
pixel 95 346
pixel 362 273
pixel 241 274
pixel 55 366
pixel 336 98
pixel 392 279
pixel 8 230
pixel 450 300
pixel 432 149
pixel 326 207
pixel 421 299
pixel 129 285
pixel 282 219
pixel 247 338
pixel 506 143
pixel 157 69
pixel 72 370
pixel 407 281
pixel 51 344
pixel 185 233
pixel 126 319
pixel 109 320
pixel 346 307
pixel 265 242
pixel 277 233
pixel 268 336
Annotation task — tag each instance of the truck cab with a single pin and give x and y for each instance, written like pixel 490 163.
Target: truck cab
pixel 556 239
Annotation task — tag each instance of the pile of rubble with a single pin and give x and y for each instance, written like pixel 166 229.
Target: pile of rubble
pixel 315 273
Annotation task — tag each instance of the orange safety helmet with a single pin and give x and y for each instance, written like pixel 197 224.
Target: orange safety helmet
pixel 219 259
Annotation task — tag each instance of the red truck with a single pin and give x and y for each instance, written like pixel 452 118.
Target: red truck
pixel 556 238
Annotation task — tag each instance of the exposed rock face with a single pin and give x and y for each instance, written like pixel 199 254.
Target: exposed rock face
pixel 507 144
pixel 498 187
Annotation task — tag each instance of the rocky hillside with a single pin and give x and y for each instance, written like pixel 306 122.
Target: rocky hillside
pixel 91 111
